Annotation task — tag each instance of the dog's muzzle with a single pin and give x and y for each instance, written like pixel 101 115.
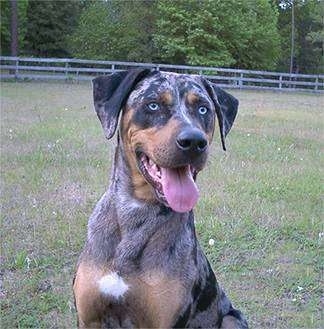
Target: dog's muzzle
pixel 192 142
pixel 175 185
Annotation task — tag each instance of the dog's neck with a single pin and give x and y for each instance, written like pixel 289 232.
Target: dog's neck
pixel 125 225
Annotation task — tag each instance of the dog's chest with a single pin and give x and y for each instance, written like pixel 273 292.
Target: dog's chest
pixel 157 297
pixel 151 299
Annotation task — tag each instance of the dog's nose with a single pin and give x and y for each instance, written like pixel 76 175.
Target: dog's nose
pixel 192 141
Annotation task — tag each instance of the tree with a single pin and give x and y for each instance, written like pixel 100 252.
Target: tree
pixel 5 25
pixel 316 36
pixel 218 33
pixel 48 24
pixel 309 24
pixel 14 28
pixel 93 33
pixel 209 32
pixel 115 30
pixel 136 26
pixel 261 47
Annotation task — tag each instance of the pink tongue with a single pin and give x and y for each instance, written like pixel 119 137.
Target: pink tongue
pixel 179 188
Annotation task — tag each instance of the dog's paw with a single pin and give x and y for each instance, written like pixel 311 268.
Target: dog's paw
pixel 234 320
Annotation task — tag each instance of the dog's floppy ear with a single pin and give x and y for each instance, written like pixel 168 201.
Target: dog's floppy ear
pixel 226 107
pixel 110 93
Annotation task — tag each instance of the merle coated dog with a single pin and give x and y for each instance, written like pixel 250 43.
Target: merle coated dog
pixel 142 266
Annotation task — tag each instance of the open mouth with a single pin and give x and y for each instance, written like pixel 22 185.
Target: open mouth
pixel 175 187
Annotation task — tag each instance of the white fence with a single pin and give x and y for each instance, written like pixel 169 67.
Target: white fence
pixel 79 69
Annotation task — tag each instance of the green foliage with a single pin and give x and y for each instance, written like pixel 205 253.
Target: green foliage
pixel 115 30
pixel 20 260
pixel 251 34
pixel 309 36
pixel 193 39
pixel 92 36
pixel 218 33
pixel 5 25
pixel 261 47
pixel 316 36
pixel 215 33
pixel 48 23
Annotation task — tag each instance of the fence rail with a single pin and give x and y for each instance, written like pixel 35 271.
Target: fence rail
pixel 81 69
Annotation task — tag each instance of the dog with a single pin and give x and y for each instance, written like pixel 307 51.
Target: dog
pixel 142 265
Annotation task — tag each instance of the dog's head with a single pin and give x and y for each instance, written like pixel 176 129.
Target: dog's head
pixel 166 128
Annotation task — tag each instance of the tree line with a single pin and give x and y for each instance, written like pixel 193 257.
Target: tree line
pixel 247 34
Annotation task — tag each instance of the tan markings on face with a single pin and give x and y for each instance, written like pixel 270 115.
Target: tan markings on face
pixel 142 189
pixel 210 134
pixel 126 121
pixel 192 98
pixel 166 98
pixel 155 143
pixel 87 296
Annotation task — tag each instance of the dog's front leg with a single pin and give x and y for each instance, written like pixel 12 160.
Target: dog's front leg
pixel 231 317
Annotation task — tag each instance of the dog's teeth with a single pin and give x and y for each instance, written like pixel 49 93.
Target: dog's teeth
pixel 158 171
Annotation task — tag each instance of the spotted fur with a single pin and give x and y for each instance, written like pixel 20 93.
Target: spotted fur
pixel 142 265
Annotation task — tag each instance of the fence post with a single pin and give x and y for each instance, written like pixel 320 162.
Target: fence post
pixel 113 67
pixel 66 69
pixel 292 78
pixel 17 68
pixel 280 81
pixel 241 81
pixel 316 83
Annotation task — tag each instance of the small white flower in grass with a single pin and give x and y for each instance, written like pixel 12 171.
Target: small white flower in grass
pixel 28 261
pixel 66 109
pixel 299 288
pixel 279 148
pixel 10 130
pixel 211 242
pixel 321 235
pixel 71 306
pixel 248 135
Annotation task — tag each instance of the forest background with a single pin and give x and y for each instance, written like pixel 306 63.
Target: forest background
pixel 246 34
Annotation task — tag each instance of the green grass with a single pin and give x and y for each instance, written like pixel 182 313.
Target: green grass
pixel 260 202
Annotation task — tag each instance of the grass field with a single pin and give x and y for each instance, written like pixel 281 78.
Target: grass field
pixel 260 202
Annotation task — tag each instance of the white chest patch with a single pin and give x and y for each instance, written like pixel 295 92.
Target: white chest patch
pixel 113 285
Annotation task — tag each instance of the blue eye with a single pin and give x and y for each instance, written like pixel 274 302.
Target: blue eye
pixel 153 106
pixel 203 110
